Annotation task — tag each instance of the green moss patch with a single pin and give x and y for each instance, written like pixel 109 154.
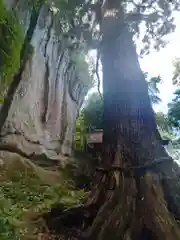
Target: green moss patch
pixel 24 196
pixel 11 40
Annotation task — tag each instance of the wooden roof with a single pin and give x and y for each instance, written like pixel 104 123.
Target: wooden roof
pixel 97 137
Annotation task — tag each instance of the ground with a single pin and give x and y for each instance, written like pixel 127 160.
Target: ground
pixel 27 193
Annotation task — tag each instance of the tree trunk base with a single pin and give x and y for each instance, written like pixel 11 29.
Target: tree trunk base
pixel 133 211
pixel 71 223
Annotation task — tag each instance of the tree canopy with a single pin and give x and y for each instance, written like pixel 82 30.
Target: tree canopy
pixel 156 16
pixel 174 110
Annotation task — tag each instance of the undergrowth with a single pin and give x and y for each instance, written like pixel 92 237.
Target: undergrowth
pixel 23 197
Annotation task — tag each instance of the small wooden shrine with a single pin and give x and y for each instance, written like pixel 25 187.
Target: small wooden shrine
pixel 95 139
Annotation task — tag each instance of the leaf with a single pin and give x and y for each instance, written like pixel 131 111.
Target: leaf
pixel 165 6
pixel 153 17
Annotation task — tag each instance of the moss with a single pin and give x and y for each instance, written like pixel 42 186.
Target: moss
pixel 24 196
pixel 11 40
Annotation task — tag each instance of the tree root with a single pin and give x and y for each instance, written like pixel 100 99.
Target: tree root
pixel 136 210
pixel 71 222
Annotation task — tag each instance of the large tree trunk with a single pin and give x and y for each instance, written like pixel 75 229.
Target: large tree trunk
pixel 136 188
pixel 24 57
pixel 136 175
pixel 38 116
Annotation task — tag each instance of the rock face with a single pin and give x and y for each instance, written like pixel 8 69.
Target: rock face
pixel 42 116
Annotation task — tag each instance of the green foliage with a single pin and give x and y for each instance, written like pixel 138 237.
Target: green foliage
pixel 163 122
pixel 24 194
pixel 91 117
pixel 82 17
pixel 164 125
pixel 93 112
pixel 11 40
pixel 174 110
pixel 80 134
pixel 84 67
pixel 153 88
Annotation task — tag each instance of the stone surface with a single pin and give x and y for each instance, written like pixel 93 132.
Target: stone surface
pixel 42 117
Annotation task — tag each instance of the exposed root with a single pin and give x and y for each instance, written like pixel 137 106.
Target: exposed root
pixel 71 222
pixel 153 206
pixel 136 210
pixel 13 162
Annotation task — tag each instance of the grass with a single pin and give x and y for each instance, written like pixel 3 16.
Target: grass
pixel 24 195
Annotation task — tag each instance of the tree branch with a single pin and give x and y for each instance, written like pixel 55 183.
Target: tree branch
pixel 97 72
pixel 153 17
pixel 135 4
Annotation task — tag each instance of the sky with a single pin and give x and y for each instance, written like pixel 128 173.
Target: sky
pixel 160 63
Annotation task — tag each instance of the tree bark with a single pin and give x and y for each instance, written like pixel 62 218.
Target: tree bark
pixel 24 57
pixel 131 186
